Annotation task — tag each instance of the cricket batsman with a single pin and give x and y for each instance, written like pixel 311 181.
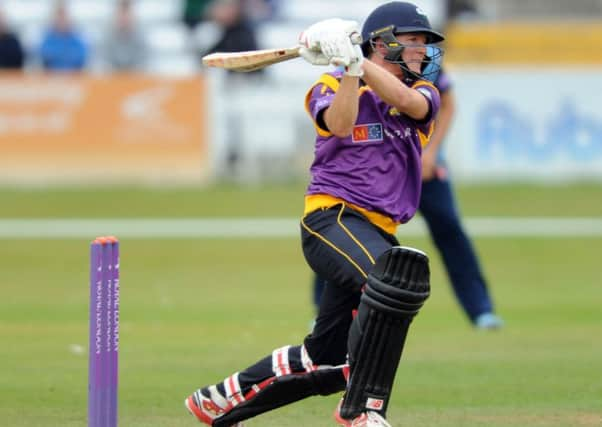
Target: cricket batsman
pixel 372 117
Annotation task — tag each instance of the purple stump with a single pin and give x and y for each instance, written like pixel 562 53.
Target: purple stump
pixel 104 332
pixel 114 334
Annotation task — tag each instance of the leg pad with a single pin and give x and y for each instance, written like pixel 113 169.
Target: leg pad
pixel 397 287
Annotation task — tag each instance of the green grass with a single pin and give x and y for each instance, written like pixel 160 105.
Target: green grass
pixel 278 200
pixel 194 311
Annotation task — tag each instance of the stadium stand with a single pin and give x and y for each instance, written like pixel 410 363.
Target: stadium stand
pixel 509 30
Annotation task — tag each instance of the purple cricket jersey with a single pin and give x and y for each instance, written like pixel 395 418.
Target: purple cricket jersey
pixel 378 166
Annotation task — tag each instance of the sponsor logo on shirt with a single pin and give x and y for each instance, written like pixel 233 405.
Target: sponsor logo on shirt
pixel 407 133
pixel 367 133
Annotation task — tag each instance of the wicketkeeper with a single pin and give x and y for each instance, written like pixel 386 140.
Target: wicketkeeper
pixel 372 117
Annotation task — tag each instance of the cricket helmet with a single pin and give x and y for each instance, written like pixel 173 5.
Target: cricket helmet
pixel 397 17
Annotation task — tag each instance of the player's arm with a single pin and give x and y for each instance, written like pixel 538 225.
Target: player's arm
pixel 341 116
pixel 442 124
pixel 330 42
pixel 394 92
pixel 443 119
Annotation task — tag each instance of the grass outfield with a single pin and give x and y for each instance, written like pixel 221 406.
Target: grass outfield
pixel 193 311
pixel 279 200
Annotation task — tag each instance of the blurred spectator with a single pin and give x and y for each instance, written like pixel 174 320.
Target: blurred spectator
pixel 460 9
pixel 11 51
pixel 194 12
pixel 260 11
pixel 63 47
pixel 230 26
pixel 125 48
pixel 238 33
pixel 197 11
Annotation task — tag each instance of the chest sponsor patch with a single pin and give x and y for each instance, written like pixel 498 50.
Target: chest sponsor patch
pixel 367 133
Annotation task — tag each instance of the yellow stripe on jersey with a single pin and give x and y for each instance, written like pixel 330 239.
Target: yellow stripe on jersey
pixel 325 201
pixel 424 139
pixel 365 88
pixel 420 83
pixel 328 82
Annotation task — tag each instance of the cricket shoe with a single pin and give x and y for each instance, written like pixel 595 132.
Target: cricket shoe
pixel 365 419
pixel 488 321
pixel 207 405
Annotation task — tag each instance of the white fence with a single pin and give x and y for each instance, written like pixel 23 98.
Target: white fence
pixel 527 123
pixel 512 123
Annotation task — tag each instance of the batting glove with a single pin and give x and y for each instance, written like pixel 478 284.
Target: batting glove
pixel 337 48
pixel 355 65
pixel 314 57
pixel 311 38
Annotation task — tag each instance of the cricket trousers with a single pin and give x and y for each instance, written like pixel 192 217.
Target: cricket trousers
pixel 438 208
pixel 341 245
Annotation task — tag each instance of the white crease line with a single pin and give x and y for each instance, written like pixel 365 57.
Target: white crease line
pixel 276 227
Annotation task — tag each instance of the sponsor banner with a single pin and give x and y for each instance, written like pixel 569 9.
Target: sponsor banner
pixel 525 123
pixel 119 128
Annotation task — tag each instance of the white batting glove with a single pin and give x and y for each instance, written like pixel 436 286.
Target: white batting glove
pixel 314 57
pixel 311 38
pixel 337 48
pixel 331 42
pixel 355 66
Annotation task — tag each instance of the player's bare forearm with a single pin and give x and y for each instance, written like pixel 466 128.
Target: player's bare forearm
pixel 340 117
pixel 443 120
pixel 429 164
pixel 394 92
pixel 430 168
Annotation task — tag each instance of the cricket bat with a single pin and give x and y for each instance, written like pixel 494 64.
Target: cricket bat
pixel 250 60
